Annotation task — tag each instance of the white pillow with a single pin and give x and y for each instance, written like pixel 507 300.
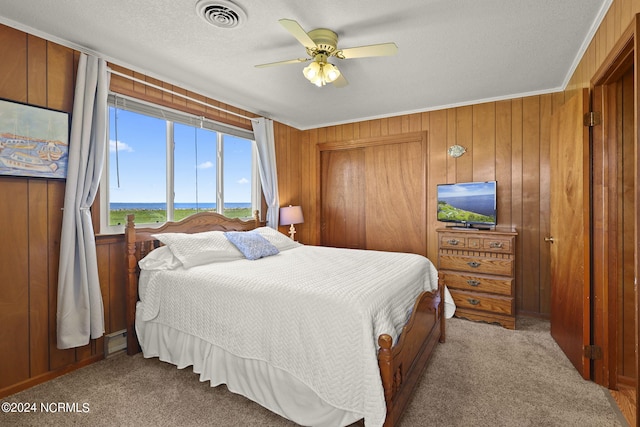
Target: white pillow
pixel 277 239
pixel 200 248
pixel 160 259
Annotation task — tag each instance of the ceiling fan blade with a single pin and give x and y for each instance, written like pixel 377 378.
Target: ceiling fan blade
pixel 341 81
pixel 384 49
pixel 298 32
pixel 290 61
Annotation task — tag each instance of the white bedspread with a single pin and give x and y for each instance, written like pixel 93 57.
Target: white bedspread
pixel 314 312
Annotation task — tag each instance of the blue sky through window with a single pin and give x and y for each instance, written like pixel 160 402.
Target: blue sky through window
pixel 141 160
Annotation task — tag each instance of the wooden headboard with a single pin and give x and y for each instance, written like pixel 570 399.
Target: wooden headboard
pixel 140 242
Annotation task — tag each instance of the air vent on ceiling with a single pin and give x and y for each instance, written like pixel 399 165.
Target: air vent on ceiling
pixel 221 13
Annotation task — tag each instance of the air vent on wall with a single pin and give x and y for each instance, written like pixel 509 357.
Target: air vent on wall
pixel 221 13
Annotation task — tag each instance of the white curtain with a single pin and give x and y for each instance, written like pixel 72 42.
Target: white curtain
pixel 263 134
pixel 80 313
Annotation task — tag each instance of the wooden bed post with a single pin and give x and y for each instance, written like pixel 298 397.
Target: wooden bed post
pixel 385 362
pixel 131 289
pixel 441 286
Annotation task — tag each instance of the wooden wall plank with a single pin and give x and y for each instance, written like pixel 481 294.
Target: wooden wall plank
pixel 365 129
pixel 14 303
pixel 13 51
pixel 484 157
pixel 503 160
pixel 530 233
pixel 517 198
pixel 38 277
pixel 395 125
pixel 546 110
pixel 37 71
pixel 464 137
pixel 307 190
pixel 438 161
pixel 452 139
pixel 61 64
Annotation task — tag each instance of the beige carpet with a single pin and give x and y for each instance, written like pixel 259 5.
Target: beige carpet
pixel 483 375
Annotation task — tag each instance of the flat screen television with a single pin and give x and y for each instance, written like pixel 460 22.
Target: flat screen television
pixel 468 204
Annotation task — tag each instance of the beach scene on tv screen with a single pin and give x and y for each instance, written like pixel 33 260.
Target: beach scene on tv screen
pixel 471 202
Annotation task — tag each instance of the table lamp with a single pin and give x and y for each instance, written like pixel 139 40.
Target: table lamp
pixel 291 215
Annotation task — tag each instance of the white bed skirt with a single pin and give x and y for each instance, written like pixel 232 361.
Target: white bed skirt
pixel 270 387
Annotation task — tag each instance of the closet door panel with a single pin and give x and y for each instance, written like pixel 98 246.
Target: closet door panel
pixel 343 200
pixel 396 197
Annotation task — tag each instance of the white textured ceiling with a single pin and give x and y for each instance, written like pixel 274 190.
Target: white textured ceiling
pixel 450 52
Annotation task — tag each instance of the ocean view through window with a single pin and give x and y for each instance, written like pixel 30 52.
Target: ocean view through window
pixel 164 165
pixel 148 212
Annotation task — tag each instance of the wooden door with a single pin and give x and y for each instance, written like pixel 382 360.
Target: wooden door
pixel 569 227
pixel 396 197
pixel 373 193
pixel 343 200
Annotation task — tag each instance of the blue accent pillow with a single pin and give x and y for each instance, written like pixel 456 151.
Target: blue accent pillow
pixel 252 245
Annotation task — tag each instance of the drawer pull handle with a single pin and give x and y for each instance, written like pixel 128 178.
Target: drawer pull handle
pixel 453 242
pixel 473 264
pixel 473 301
pixel 496 245
pixel 473 282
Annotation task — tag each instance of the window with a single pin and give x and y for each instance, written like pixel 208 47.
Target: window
pixel 165 165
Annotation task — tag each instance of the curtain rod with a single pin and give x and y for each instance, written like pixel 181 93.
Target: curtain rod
pixel 126 76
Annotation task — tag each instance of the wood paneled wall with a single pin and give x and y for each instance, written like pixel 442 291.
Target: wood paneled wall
pixel 507 141
pixel 41 73
pixel 615 22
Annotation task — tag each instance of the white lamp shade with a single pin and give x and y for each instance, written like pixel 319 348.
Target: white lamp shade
pixel 291 215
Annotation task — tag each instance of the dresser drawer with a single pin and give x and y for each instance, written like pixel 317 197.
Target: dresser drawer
pixel 494 285
pixel 496 244
pixel 499 245
pixel 480 301
pixel 453 242
pixel 482 265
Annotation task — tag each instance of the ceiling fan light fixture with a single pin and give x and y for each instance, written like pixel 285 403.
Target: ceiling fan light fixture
pixel 331 72
pixel 311 71
pixel 321 73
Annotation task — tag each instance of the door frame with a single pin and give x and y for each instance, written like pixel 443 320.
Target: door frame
pixel 604 168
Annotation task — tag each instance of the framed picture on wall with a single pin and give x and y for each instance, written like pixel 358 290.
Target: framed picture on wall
pixel 34 141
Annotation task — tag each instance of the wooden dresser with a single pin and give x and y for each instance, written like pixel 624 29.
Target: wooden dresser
pixel 479 269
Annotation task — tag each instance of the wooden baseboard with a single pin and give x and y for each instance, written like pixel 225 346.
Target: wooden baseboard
pixel 47 376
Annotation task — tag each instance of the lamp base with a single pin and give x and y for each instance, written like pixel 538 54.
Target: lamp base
pixel 292 232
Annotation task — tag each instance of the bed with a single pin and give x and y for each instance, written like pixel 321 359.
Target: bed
pixel 305 343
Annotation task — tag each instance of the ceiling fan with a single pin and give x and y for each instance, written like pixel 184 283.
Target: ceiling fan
pixel 321 44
